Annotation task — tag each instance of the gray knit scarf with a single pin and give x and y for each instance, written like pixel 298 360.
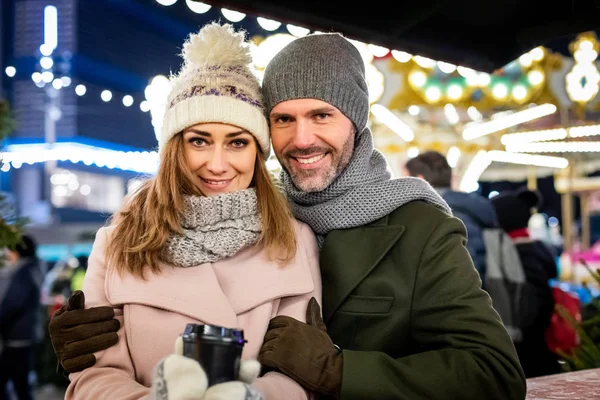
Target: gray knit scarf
pixel 215 228
pixel 363 193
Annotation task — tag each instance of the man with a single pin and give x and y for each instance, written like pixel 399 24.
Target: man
pixel 405 315
pixel 476 212
pixel 20 282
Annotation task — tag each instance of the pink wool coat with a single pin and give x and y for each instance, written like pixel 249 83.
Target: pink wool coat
pixel 244 291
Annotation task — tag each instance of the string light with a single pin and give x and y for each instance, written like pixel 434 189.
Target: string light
pixel 424 62
pixel 80 90
pixel 145 106
pixel 106 95
pixel 47 76
pixel 46 62
pixel 378 51
pixel 233 16
pixel 466 72
pixel 297 31
pixel 445 67
pixel 198 7
pixel 127 101
pixel 57 84
pixel 268 24
pixel 401 56
pixel 10 71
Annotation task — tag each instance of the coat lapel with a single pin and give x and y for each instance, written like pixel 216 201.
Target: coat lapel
pixel 193 292
pixel 215 293
pixel 348 256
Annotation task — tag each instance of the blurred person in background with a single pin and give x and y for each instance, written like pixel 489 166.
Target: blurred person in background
pixel 20 282
pixel 475 211
pixel 514 210
pixel 79 273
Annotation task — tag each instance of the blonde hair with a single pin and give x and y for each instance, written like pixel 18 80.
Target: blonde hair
pixel 145 222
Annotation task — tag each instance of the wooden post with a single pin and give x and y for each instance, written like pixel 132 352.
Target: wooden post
pixel 567 210
pixel 531 177
pixel 585 220
pixel 567 225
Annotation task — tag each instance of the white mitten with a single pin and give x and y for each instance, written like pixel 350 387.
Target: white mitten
pixel 186 380
pixel 238 390
pixel 178 378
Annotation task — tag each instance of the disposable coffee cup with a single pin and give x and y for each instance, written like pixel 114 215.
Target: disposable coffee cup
pixel 217 349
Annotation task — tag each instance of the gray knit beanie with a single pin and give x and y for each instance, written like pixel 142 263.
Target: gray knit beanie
pixel 325 67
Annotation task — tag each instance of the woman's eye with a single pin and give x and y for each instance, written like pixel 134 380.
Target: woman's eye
pixel 239 143
pixel 197 141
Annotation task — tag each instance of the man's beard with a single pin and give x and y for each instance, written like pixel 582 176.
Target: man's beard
pixel 317 180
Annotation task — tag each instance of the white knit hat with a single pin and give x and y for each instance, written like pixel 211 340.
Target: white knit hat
pixel 216 84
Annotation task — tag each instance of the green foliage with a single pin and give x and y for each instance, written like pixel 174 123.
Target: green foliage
pixel 7 122
pixel 11 226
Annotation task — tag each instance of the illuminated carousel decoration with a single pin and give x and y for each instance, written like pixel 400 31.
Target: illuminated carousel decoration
pixel 471 115
pixel 538 111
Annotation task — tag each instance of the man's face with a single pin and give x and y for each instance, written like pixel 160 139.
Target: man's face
pixel 312 140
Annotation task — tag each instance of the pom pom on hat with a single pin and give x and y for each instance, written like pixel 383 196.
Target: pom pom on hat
pixel 217 45
pixel 216 84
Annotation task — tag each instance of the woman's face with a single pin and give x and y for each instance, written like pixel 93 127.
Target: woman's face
pixel 221 156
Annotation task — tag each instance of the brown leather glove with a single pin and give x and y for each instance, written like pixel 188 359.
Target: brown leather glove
pixel 76 333
pixel 304 352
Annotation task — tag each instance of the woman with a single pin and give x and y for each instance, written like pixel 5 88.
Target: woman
pixel 208 240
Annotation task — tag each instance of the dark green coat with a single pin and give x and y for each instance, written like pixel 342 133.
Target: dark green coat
pixel 402 299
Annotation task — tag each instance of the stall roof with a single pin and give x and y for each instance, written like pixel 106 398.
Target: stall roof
pixel 484 35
